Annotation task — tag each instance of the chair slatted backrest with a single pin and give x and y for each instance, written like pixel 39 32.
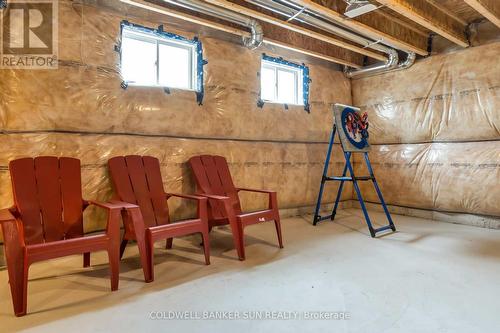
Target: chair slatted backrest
pixel 137 180
pixel 213 177
pixel 48 196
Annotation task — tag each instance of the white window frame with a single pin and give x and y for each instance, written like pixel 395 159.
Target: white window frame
pixel 298 81
pixel 132 33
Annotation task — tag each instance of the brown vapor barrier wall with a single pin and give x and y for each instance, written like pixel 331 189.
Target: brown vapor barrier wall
pixel 80 110
pixel 435 130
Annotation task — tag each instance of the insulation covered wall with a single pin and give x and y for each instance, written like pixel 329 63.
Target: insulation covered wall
pixel 80 110
pixel 436 132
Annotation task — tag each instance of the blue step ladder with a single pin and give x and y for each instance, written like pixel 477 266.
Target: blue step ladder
pixel 354 179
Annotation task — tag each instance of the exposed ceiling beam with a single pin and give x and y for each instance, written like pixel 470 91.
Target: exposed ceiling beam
pixel 183 16
pixel 431 17
pixel 413 26
pixel 442 8
pixel 295 28
pixel 274 36
pixel 311 53
pixel 377 34
pixel 291 40
pixel 488 8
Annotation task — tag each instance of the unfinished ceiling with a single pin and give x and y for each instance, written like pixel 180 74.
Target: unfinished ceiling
pixel 389 37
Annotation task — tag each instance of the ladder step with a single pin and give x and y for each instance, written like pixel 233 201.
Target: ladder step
pixel 348 178
pixel 322 218
pixel 386 227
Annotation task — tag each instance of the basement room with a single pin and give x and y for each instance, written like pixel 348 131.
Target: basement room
pixel 250 166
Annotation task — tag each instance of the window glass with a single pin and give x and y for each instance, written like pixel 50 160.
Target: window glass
pixel 281 83
pixel 138 61
pixel 287 90
pixel 175 67
pixel 149 59
pixel 268 83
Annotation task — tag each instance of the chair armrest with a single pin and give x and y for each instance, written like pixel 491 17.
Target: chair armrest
pixel 202 203
pixel 273 196
pixel 6 215
pixel 113 208
pixel 254 190
pixel 213 196
pixel 185 196
pixel 112 204
pixel 13 230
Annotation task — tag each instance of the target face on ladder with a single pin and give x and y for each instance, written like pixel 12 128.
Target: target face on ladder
pixel 352 128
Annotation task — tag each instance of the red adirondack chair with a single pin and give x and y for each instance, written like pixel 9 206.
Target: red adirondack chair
pixel 46 221
pixel 137 180
pixel 214 181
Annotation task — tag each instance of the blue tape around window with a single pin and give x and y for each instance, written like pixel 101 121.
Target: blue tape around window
pixel 306 83
pixel 260 102
pixel 306 80
pixel 160 32
pixel 200 91
pixel 3 4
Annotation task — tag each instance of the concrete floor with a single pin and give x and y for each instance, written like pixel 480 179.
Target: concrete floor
pixel 428 277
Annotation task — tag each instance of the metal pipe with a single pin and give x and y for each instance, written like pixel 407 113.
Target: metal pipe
pixel 252 42
pixel 390 64
pixel 410 60
pixel 305 17
pixel 302 14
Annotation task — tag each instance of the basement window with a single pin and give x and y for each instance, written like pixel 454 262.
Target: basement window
pixel 283 82
pixel 154 58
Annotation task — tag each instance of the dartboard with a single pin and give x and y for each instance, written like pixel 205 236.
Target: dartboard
pixel 355 130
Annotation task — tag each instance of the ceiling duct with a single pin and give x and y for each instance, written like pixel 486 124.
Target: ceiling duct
pixel 302 14
pixel 390 64
pixel 297 13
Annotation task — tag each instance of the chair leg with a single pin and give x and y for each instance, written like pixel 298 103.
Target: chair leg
pixel 241 236
pixel 169 243
pixel 277 223
pixel 86 259
pixel 113 232
pixel 18 280
pixel 206 247
pixel 123 245
pixel 114 266
pixel 151 247
pixel 135 217
pixel 237 232
pixel 17 267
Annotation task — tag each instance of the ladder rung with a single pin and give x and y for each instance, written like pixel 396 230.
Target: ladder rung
pixel 322 218
pixel 365 178
pixel 386 227
pixel 339 178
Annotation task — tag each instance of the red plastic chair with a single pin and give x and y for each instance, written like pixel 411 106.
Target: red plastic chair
pixel 214 181
pixel 46 221
pixel 137 180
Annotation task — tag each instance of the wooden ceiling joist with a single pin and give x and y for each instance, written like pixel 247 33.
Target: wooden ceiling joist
pixel 315 54
pixel 273 36
pixel 442 8
pixel 412 44
pixel 291 40
pixel 413 26
pixel 431 17
pixel 488 8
